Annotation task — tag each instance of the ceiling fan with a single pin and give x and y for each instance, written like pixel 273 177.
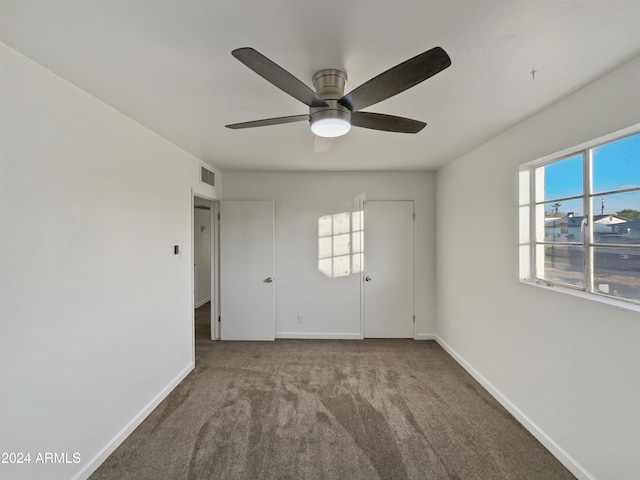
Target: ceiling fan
pixel 331 112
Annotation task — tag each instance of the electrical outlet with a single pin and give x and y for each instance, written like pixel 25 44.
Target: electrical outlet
pixel 300 318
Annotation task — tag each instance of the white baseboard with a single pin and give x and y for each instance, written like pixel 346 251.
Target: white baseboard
pixel 341 336
pixel 563 457
pixel 202 302
pixel 93 464
pixel 425 336
pixel 320 336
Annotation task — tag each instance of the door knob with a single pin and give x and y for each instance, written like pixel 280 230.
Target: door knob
pixel 268 280
pixel 367 278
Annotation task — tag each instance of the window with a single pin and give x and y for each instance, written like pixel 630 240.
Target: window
pixel 580 219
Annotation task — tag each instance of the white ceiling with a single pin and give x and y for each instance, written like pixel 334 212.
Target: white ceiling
pixel 167 64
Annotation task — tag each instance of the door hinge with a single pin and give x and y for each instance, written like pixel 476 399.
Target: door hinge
pixel 218 216
pixel 414 319
pixel 414 215
pixel 219 318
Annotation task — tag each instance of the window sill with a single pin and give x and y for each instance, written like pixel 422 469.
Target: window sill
pixel 613 302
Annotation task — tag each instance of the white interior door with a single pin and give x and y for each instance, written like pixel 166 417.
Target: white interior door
pixel 246 270
pixel 388 273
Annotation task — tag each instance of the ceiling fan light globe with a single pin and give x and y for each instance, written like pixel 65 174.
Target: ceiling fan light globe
pixel 330 127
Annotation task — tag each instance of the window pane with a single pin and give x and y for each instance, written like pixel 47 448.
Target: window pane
pixel 559 180
pixel 617 218
pixel 617 272
pixel 621 236
pixel 611 211
pixel 562 221
pixel 562 263
pixel 616 165
pixel 524 196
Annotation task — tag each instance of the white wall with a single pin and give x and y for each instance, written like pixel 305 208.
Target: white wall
pixel 96 310
pixel 568 364
pixel 331 306
pixel 202 252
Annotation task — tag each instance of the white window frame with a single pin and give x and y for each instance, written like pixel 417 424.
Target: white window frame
pixel 527 216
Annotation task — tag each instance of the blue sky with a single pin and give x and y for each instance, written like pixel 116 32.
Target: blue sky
pixel 616 166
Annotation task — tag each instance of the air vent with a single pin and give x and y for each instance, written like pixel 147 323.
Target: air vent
pixel 207 176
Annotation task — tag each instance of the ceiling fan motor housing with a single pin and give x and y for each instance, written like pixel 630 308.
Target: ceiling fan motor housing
pixel 334 120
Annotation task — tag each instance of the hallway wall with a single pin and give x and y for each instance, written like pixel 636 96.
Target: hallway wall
pixel 95 308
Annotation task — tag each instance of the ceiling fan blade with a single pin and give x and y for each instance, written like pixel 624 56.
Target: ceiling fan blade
pixel 278 76
pixel 322 144
pixel 397 79
pixel 388 123
pixel 269 121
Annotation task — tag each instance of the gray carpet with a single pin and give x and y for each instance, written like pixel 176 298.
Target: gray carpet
pixel 325 409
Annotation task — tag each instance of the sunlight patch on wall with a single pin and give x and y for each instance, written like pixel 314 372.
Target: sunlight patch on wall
pixel 340 244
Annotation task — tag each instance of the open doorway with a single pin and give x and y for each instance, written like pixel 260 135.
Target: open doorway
pixel 205 262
